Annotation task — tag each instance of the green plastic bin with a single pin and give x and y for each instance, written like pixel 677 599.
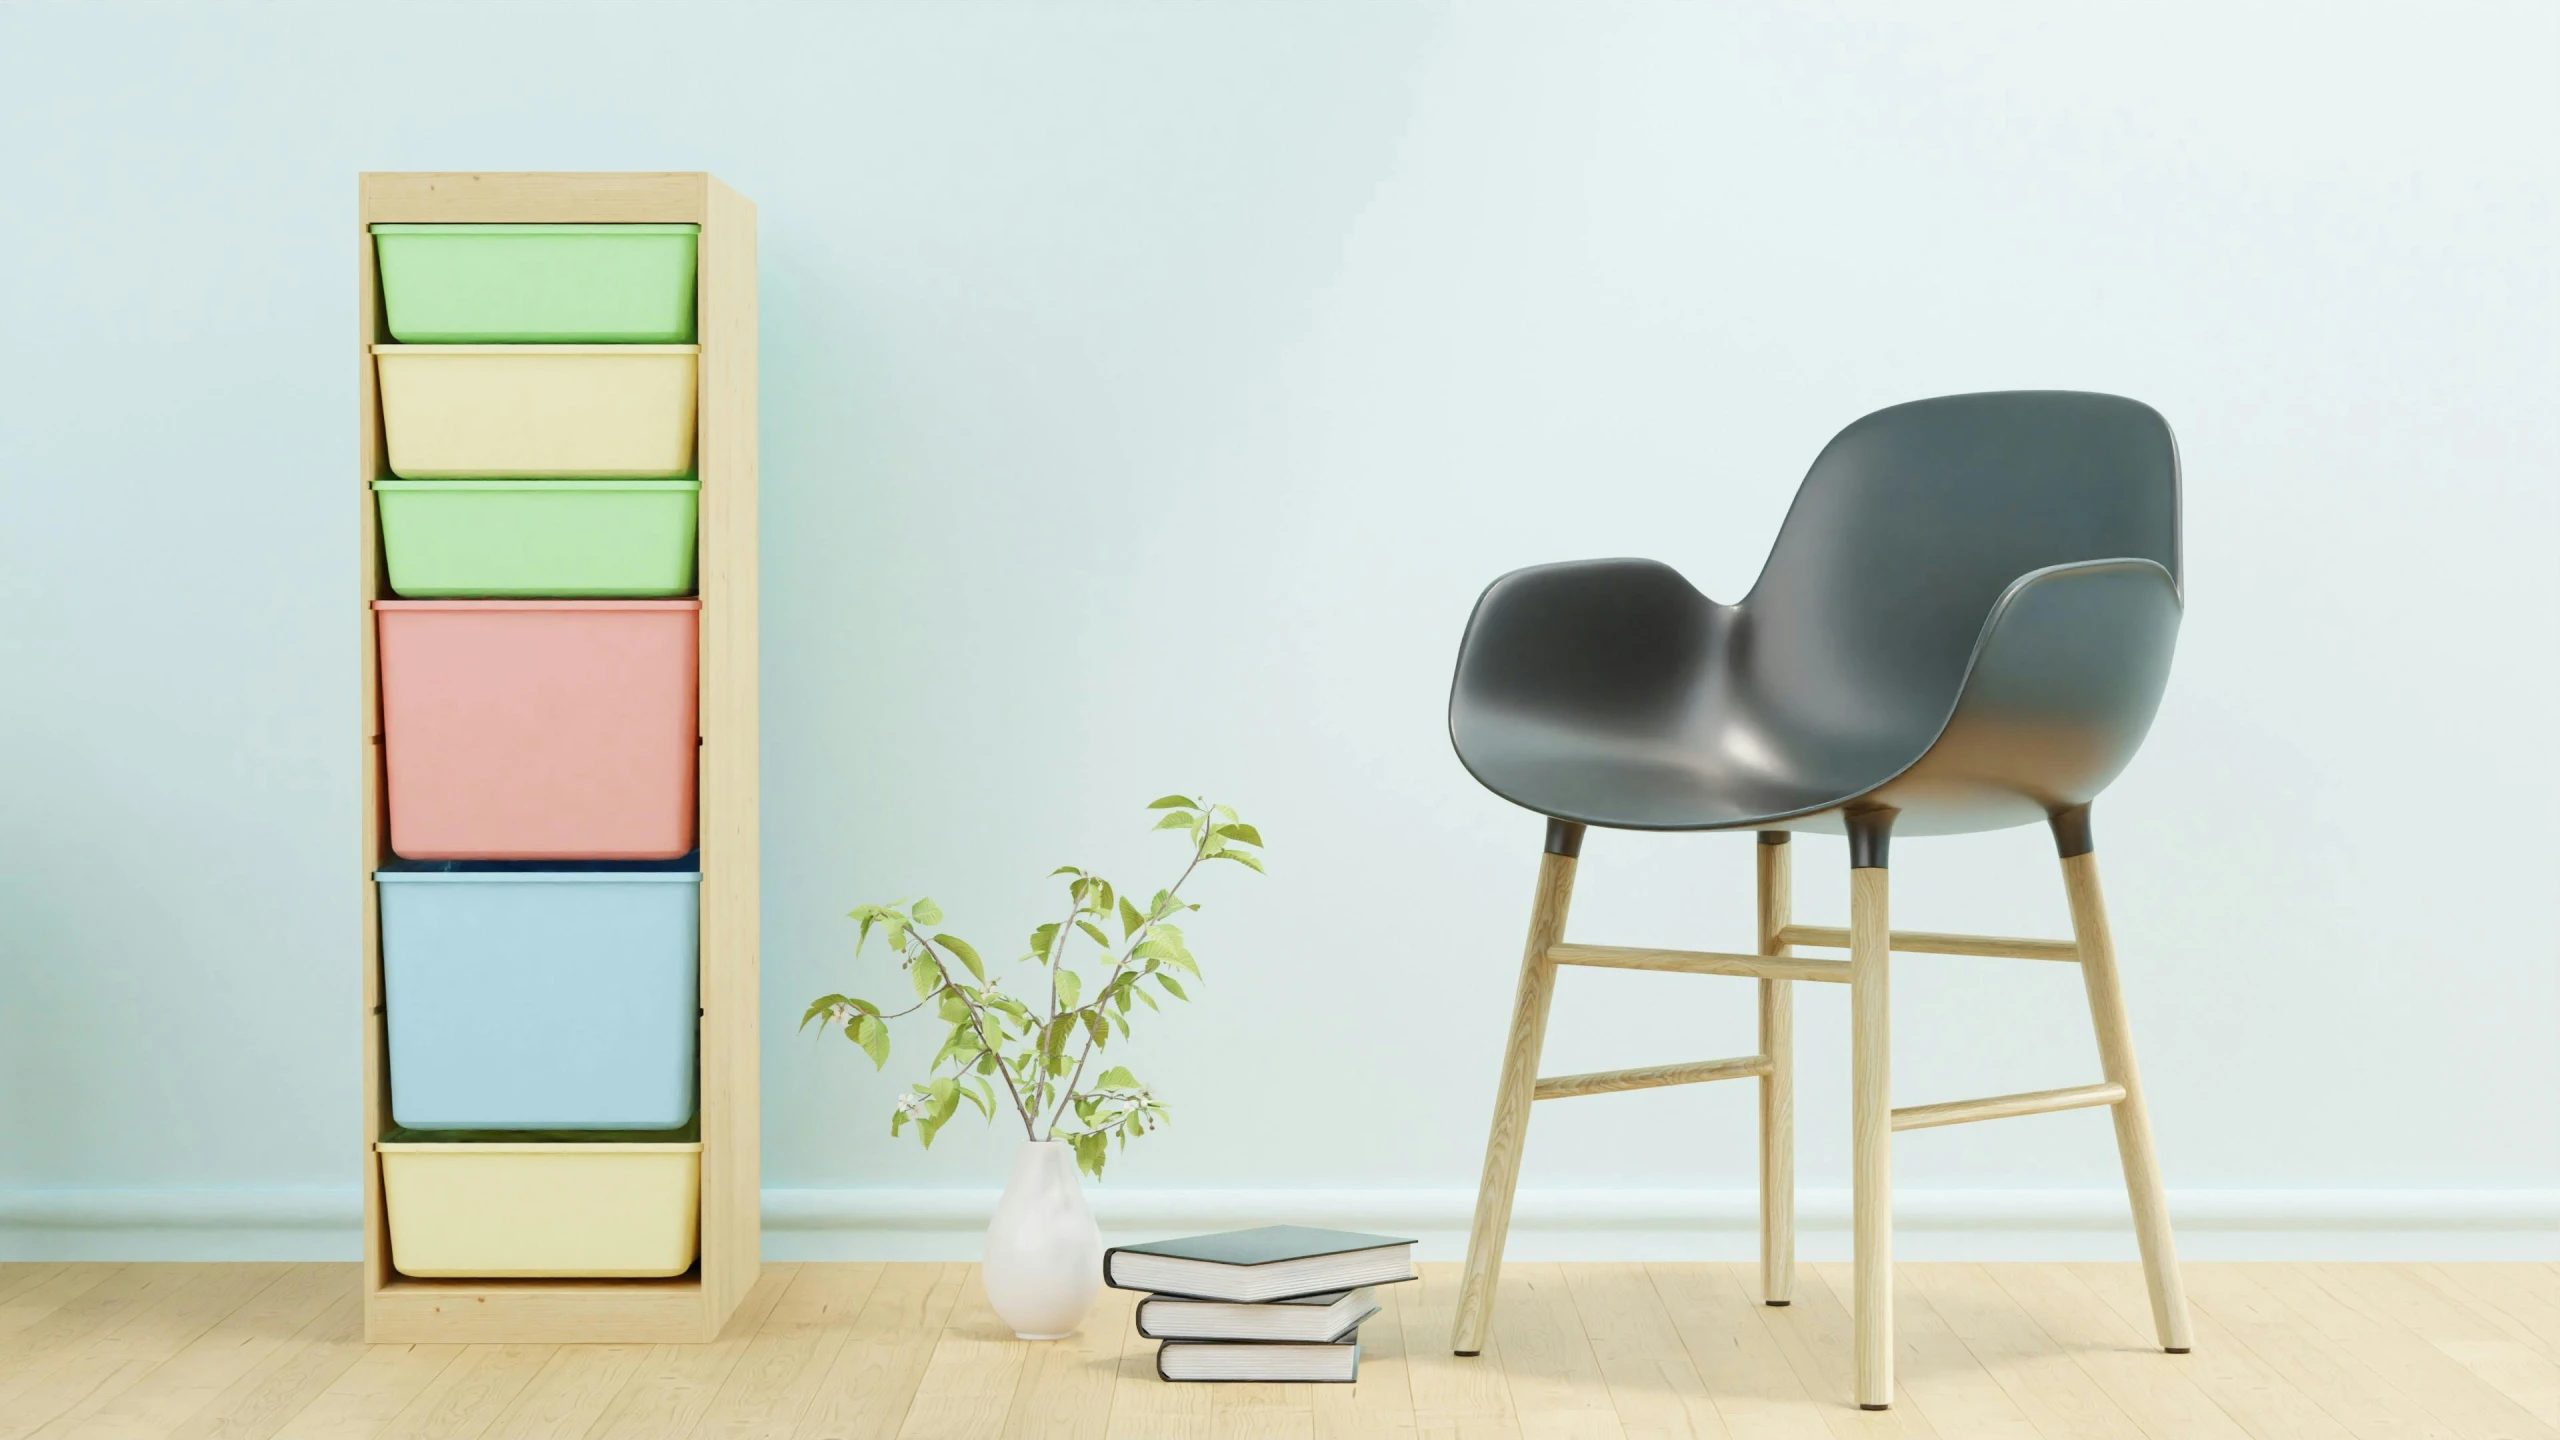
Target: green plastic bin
pixel 538 284
pixel 526 539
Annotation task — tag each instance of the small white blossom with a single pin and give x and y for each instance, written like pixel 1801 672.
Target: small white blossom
pixel 915 1104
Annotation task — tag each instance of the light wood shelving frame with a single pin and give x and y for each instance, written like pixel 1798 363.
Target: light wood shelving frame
pixel 691 1307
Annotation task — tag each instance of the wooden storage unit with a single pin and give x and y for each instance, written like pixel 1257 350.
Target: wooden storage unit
pixel 691 1307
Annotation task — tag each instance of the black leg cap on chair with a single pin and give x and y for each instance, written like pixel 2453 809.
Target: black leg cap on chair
pixel 2177 1350
pixel 1875 1407
pixel 1466 1354
pixel 1777 1304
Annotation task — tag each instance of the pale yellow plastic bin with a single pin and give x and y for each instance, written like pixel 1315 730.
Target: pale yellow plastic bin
pixel 522 1211
pixel 538 412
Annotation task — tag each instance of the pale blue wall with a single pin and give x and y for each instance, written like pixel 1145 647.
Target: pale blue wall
pixel 1149 388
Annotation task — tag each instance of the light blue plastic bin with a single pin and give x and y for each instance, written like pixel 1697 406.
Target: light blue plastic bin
pixel 550 996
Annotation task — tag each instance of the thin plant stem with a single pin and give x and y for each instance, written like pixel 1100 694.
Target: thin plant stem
pixel 977 1022
pixel 1199 852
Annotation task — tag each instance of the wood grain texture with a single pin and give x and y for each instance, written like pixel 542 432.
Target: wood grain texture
pixel 692 1308
pixel 2132 1117
pixel 676 1384
pixel 463 197
pixel 536 1312
pixel 1626 1351
pixel 1774 867
pixel 1514 1093
pixel 731 1218
pixel 1871 1130
pixel 373 818
pixel 1702 962
pixel 1817 1335
pixel 1931 942
pixel 1648 1077
pixel 2002 1107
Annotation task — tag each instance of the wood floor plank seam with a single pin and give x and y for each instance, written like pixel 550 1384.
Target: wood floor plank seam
pixel 1626 1351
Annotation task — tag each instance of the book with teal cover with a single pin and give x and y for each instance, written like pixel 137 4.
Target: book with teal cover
pixel 1274 1262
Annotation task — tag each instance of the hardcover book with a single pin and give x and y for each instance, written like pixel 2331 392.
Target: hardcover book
pixel 1309 1319
pixel 1275 1262
pixel 1216 1360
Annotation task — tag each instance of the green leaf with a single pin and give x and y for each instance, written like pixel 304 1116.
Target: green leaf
pixel 1090 1154
pixel 1042 939
pixel 1240 858
pixel 946 1099
pixel 1143 995
pixel 1065 870
pixel 1170 802
pixel 1179 820
pixel 1118 1078
pixel 818 1007
pixel 873 1037
pixel 897 1122
pixel 1094 932
pixel 926 912
pixel 968 956
pixel 1168 982
pixel 1120 998
pixel 1098 1028
pixel 1130 919
pixel 1240 831
pixel 893 928
pixel 926 974
pixel 1070 988
pixel 952 1009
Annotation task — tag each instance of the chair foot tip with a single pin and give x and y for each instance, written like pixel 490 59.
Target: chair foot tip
pixel 1466 1354
pixel 2176 1349
pixel 1865 1406
pixel 1777 1304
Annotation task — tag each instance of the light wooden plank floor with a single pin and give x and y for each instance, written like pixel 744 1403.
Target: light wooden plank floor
pixel 1579 1352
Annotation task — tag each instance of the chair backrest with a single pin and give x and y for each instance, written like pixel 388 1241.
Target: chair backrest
pixel 1913 521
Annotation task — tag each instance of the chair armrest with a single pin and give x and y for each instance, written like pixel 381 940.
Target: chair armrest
pixel 1611 643
pixel 2064 680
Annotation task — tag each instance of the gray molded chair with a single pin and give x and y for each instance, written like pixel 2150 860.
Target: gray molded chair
pixel 1965 625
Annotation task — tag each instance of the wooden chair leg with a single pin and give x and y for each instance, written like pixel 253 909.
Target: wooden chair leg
pixel 1871 1128
pixel 1518 1087
pixel 2133 1120
pixel 1778 1087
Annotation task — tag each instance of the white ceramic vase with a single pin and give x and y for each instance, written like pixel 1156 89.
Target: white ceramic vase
pixel 1044 1253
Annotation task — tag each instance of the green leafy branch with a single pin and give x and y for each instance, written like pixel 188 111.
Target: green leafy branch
pixel 1040 1054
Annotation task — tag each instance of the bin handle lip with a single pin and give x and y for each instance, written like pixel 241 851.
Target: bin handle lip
pixel 606 230
pixel 694 603
pixel 624 350
pixel 522 1147
pixel 581 487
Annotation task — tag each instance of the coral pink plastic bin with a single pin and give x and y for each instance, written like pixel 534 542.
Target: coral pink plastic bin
pixel 539 729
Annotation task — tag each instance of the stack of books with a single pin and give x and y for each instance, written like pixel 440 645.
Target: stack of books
pixel 1280 1303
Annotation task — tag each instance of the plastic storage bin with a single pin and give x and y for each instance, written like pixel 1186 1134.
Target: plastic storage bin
pixel 535 412
pixel 538 537
pixel 540 999
pixel 524 1210
pixel 564 284
pixel 539 729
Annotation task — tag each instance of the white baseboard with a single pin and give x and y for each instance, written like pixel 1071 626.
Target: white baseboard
pixel 173 1224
